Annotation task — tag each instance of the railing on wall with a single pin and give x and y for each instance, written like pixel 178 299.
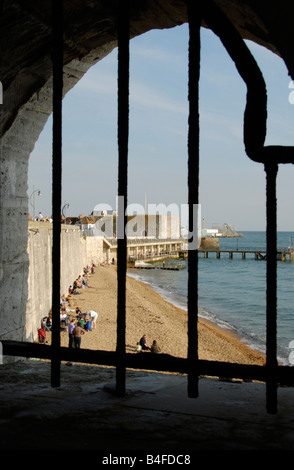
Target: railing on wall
pixel 254 136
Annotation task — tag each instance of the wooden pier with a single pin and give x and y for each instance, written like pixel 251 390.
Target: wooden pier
pixel 167 268
pixel 257 254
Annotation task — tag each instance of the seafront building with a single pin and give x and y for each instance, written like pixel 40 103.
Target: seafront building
pixel 147 235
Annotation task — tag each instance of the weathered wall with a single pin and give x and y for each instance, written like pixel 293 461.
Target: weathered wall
pixel 76 252
pixel 16 145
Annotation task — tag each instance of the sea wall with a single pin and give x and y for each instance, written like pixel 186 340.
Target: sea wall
pixel 209 242
pixel 76 252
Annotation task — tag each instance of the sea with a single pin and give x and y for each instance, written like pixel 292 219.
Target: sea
pixel 232 292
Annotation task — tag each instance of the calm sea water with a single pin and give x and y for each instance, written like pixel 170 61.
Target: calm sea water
pixel 232 291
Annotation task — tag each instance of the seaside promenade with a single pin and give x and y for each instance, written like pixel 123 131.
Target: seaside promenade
pixel 154 418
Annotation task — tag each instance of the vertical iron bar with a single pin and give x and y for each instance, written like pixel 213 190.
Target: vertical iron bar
pixel 57 28
pixel 194 16
pixel 123 133
pixel 271 287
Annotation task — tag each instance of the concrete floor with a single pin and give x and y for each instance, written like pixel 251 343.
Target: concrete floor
pixel 155 415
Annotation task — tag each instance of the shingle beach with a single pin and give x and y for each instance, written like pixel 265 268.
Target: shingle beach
pixel 148 313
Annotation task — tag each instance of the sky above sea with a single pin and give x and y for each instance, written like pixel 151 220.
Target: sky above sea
pixel 232 187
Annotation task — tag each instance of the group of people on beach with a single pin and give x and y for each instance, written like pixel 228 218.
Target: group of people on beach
pixel 76 322
pixel 76 329
pixel 82 280
pixel 78 326
pixel 142 345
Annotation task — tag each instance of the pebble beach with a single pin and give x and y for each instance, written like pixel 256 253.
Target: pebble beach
pixel 148 313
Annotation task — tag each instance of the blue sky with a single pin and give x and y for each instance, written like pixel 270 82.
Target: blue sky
pixel 232 187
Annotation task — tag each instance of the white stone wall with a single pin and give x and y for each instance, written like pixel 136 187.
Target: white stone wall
pixel 76 252
pixel 15 148
pixel 39 278
pixel 16 144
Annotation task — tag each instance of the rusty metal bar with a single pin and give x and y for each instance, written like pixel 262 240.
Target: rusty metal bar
pixel 57 57
pixel 194 17
pixel 123 134
pixel 255 114
pixel 271 287
pixel 162 362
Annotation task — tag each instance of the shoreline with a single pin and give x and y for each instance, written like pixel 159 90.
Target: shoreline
pixel 147 312
pixel 203 315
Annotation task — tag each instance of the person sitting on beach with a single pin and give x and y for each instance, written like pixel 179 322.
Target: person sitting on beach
pixel 65 300
pixel 48 323
pixel 41 335
pixel 85 281
pixel 155 348
pixel 143 343
pixel 75 291
pixel 78 282
pixel 79 314
pixel 63 316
